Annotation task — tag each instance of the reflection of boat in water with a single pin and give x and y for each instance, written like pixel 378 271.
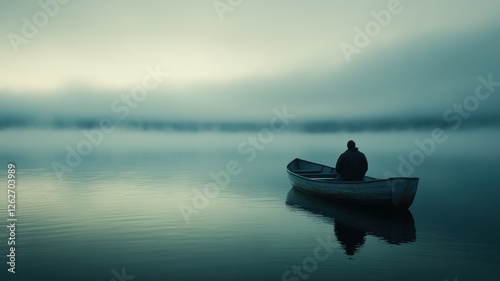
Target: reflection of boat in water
pixel 353 223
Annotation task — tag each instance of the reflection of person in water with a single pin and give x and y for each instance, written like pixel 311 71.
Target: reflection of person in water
pixel 352 224
pixel 349 237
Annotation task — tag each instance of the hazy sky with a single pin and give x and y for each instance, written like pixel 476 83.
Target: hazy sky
pixel 263 54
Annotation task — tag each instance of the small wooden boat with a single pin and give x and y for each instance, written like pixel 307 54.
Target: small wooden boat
pixel 318 180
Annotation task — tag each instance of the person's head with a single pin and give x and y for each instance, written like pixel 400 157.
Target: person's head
pixel 351 144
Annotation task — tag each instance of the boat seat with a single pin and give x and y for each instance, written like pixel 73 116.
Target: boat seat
pixel 320 175
pixel 305 171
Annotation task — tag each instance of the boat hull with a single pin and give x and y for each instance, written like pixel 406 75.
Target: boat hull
pixel 318 180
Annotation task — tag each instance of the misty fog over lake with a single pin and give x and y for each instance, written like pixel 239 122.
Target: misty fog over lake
pixel 149 140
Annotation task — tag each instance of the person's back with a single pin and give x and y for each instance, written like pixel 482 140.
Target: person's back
pixel 352 164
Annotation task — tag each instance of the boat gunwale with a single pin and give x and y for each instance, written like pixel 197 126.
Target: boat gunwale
pixel 353 182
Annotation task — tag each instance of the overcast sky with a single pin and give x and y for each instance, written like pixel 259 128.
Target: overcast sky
pixel 263 54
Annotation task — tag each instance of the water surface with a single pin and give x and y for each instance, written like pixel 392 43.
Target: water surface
pixel 119 210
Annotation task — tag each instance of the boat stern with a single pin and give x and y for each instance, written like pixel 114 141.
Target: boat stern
pixel 403 191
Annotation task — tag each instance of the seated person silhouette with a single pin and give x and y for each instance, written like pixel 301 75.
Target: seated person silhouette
pixel 352 164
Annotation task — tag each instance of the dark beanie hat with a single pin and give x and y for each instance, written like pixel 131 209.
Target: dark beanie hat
pixel 351 144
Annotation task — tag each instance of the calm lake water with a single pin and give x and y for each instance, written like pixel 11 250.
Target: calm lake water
pixel 117 215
